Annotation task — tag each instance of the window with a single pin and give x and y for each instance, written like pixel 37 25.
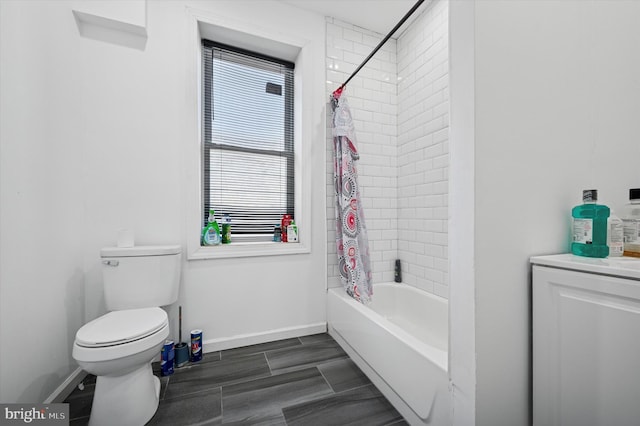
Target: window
pixel 248 146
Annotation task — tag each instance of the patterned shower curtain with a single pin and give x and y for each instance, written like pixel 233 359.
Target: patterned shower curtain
pixel 351 232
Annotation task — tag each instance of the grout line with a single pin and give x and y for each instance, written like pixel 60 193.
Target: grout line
pixel 165 389
pixel 325 379
pixel 359 387
pixel 182 395
pixel 221 404
pixel 266 358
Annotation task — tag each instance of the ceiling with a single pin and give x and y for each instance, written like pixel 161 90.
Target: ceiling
pixel 376 15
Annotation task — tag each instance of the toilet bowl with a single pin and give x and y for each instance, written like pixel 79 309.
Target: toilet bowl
pixel 118 348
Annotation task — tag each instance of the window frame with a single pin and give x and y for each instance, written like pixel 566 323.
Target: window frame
pixel 209 145
pixel 274 42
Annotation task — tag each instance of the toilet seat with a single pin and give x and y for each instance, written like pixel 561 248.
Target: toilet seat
pixel 120 334
pixel 119 327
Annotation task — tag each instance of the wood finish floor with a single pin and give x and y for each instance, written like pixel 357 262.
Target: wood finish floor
pixel 303 381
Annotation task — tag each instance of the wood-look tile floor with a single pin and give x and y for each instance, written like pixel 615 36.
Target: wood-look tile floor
pixel 303 381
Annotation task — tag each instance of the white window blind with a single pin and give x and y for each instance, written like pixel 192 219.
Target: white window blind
pixel 248 147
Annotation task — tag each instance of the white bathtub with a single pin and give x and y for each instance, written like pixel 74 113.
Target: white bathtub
pixel 400 341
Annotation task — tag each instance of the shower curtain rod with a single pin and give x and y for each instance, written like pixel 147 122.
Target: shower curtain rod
pixel 338 91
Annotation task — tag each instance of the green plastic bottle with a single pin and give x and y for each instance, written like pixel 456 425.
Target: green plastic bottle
pixel 211 232
pixel 226 229
pixel 589 227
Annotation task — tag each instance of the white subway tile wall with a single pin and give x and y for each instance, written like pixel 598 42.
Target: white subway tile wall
pixel 399 102
pixel 372 98
pixel 423 150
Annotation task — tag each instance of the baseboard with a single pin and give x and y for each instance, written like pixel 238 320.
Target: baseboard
pixel 219 344
pixel 64 390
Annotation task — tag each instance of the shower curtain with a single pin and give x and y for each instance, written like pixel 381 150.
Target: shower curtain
pixel 351 232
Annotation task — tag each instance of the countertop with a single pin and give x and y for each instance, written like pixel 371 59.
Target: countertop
pixel 624 267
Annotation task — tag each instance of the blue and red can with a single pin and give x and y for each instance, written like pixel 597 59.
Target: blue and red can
pixel 196 345
pixel 168 356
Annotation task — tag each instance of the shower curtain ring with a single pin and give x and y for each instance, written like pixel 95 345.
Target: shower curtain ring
pixel 338 92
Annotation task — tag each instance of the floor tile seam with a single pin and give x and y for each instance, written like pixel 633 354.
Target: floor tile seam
pixel 266 358
pixel 291 369
pixel 325 379
pixel 330 360
pixel 371 384
pixel 337 394
pixel 358 387
pixel 302 366
pixel 327 396
pixel 282 406
pixel 310 363
pixel 244 380
pixel 221 407
pixel 192 393
pixel 396 421
pixel 288 382
pixel 164 394
pixel 293 345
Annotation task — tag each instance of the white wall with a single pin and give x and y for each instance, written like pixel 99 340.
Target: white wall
pixel 41 201
pixel 462 300
pixel 556 111
pixel 372 98
pixel 93 140
pixel 423 150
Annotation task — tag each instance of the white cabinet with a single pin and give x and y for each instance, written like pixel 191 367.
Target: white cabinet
pixel 586 341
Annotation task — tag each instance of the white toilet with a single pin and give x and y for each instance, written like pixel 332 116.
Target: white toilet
pixel 119 346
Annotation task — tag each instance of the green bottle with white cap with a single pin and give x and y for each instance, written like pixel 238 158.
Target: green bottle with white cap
pixel 211 232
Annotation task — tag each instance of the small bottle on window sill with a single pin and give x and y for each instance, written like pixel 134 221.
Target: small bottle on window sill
pixel 292 232
pixel 226 229
pixel 284 225
pixel 211 232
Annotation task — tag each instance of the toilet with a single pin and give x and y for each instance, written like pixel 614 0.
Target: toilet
pixel 119 346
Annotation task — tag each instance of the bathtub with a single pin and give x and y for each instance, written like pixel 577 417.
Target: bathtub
pixel 400 341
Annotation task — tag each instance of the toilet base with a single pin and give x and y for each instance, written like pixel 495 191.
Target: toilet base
pixel 127 400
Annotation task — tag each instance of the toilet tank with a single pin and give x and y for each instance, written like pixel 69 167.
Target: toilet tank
pixel 141 277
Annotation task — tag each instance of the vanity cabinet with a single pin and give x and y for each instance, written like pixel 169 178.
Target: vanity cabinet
pixel 586 341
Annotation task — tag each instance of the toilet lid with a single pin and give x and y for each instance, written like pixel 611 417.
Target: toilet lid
pixel 119 327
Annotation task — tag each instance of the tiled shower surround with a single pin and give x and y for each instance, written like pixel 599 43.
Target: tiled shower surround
pixel 372 97
pixel 423 150
pixel 400 106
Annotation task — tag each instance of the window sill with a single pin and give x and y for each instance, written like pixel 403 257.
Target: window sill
pixel 255 249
